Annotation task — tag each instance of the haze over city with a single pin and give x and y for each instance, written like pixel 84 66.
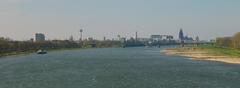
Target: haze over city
pixel 59 19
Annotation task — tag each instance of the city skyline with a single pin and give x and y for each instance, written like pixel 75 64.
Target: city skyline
pixel 60 19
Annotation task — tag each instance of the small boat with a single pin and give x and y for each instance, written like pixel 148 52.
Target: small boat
pixel 41 52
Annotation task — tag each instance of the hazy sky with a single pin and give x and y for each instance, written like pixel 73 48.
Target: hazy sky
pixel 59 19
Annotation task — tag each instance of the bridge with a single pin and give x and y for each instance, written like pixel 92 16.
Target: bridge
pixel 159 44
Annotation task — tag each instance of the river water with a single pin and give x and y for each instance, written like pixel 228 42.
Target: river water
pixel 114 68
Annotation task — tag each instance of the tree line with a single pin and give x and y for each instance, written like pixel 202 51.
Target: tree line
pixel 9 46
pixel 232 42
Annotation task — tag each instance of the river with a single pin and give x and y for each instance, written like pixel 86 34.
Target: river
pixel 114 68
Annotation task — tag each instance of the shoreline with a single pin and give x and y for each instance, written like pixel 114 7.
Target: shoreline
pixel 201 54
pixel 49 50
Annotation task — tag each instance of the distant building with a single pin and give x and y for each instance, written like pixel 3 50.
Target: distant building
pixel 143 39
pixel 161 37
pixel 156 37
pixel 181 35
pixel 39 37
pixel 188 39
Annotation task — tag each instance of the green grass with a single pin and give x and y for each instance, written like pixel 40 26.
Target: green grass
pixel 221 51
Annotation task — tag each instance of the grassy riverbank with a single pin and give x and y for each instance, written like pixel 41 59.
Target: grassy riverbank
pixel 207 52
pixel 221 51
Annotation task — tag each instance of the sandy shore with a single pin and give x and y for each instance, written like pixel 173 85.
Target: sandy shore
pixel 197 54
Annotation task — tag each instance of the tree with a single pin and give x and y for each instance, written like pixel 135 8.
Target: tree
pixel 236 41
pixel 224 41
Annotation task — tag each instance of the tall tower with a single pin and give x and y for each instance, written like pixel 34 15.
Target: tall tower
pixel 181 35
pixel 81 34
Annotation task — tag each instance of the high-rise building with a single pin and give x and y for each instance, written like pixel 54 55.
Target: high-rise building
pixel 39 37
pixel 81 35
pixel 181 35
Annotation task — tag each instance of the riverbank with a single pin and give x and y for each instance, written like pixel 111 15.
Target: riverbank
pixel 210 53
pixel 32 51
pixel 49 50
pixel 15 53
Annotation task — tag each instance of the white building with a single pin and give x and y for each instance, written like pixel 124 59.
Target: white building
pixel 161 37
